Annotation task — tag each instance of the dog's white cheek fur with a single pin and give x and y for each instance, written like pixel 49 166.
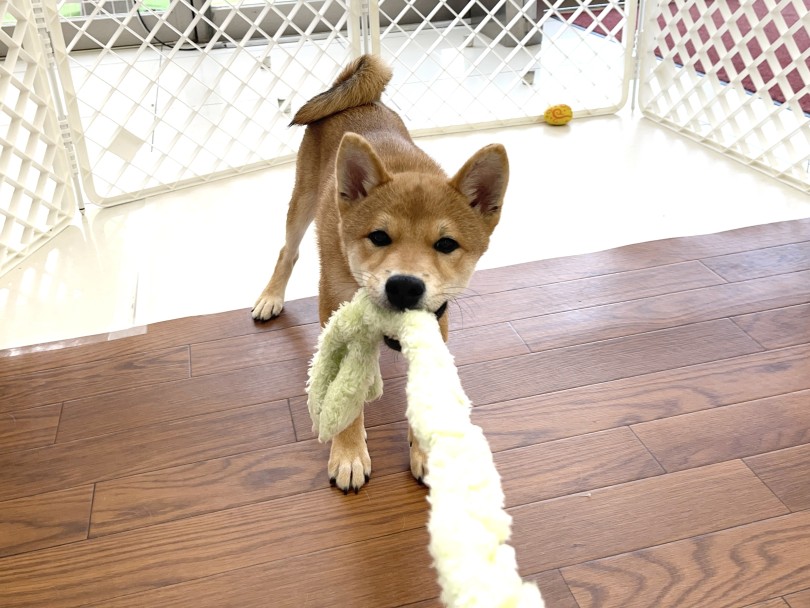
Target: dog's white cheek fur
pixel 370 280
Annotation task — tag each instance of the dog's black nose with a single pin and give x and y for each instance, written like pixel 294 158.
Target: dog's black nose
pixel 404 291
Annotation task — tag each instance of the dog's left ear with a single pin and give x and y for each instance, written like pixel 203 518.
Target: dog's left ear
pixel 483 179
pixel 358 169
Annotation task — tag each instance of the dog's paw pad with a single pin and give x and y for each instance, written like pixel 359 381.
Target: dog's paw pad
pixel 267 307
pixel 419 460
pixel 349 466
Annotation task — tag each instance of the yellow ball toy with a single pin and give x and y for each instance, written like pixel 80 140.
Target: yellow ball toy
pixel 558 115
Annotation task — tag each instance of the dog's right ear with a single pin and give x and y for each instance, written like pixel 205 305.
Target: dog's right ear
pixel 358 168
pixel 483 179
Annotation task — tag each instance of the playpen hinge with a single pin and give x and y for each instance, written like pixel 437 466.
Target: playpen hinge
pixel 67 139
pixel 364 26
pixel 38 9
pixel 636 55
pixel 70 152
pixel 42 29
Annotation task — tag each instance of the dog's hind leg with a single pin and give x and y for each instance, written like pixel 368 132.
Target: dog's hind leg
pixel 300 214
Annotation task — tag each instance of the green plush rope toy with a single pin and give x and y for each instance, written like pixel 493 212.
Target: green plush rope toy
pixel 468 526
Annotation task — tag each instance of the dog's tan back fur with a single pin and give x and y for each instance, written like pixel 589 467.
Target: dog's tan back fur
pixel 359 175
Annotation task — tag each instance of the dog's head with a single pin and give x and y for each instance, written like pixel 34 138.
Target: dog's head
pixel 412 239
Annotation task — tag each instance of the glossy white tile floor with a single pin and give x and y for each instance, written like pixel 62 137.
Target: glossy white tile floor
pixel 598 183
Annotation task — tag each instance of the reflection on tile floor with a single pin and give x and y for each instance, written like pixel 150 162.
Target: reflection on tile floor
pixel 598 183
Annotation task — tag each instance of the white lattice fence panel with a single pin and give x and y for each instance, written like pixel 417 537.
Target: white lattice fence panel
pixel 471 63
pixel 173 110
pixel 734 75
pixel 36 198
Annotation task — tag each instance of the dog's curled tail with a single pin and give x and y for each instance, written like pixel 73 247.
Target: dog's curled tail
pixel 361 82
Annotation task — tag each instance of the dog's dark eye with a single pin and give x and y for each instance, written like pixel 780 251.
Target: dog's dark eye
pixel 445 245
pixel 379 238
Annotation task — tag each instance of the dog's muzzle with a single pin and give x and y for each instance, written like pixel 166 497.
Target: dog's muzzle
pixel 395 345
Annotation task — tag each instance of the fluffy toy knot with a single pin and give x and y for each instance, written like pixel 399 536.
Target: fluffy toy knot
pixel 468 526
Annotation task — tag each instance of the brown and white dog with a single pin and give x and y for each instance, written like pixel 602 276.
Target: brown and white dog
pixel 388 219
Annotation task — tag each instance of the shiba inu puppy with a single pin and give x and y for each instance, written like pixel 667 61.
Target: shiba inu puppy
pixel 387 219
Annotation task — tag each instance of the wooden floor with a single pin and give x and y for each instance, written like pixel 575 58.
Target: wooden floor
pixel 649 410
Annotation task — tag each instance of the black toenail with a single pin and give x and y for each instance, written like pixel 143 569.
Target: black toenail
pixel 332 482
pixel 346 492
pixel 392 344
pixel 356 491
pixel 367 478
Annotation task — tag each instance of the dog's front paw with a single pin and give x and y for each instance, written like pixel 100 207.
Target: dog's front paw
pixel 349 465
pixel 267 307
pixel 419 460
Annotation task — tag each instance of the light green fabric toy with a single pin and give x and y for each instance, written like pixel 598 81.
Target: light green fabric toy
pixel 468 525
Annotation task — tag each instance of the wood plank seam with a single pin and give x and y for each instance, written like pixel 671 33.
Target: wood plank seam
pixel 303 360
pixel 616 319
pixel 660 336
pixel 487 406
pixel 477 404
pixel 720 277
pixel 700 247
pixel 378 480
pixel 90 512
pixel 785 472
pixel 680 540
pixel 799 599
pixel 666 289
pixel 297 400
pixel 252 567
pixel 563 569
pixel 699 549
pixel 59 423
pixel 292 420
pixel 765 483
pixel 801 241
pixel 512 326
pixel 777 326
pixel 755 270
pixel 733 319
pixel 610 273
pixel 705 437
pixel 28 428
pixel 132 362
pixel 647 449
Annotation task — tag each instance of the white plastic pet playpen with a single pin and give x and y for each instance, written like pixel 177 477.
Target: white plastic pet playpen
pixel 110 101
